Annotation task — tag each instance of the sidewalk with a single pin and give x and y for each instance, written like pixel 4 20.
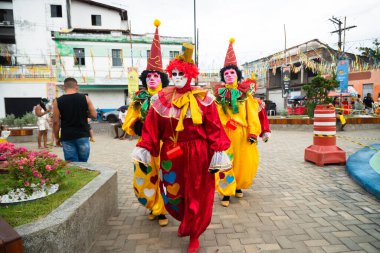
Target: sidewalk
pixel 292 206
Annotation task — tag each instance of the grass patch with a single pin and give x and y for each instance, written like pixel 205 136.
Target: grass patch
pixel 23 213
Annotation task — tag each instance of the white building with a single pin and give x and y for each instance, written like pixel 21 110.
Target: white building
pixel 44 41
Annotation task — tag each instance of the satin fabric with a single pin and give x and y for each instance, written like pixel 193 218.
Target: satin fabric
pixel 146 181
pixel 243 154
pixel 186 185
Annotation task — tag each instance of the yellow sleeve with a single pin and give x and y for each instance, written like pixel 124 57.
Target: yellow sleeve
pixel 252 109
pixel 132 116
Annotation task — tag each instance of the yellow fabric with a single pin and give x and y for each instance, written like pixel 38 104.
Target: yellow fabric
pixel 146 187
pixel 132 116
pixel 155 91
pixel 342 119
pixel 145 184
pixel 233 85
pixel 244 155
pixel 186 100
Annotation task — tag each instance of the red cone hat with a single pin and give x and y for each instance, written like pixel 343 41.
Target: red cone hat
pixel 155 57
pixel 230 56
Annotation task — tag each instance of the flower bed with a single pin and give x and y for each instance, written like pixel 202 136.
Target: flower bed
pixel 31 171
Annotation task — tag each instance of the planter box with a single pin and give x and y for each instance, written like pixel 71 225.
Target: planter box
pixel 21 132
pixel 19 135
pixel 74 225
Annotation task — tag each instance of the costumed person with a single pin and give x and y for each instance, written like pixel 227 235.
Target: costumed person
pixel 186 120
pixel 145 178
pixel 238 112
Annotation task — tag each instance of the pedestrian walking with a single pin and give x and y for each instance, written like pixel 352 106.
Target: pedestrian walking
pixel 146 184
pixel 239 114
pixel 185 119
pixel 71 112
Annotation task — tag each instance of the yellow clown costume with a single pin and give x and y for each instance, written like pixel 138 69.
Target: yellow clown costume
pixel 238 112
pixel 146 178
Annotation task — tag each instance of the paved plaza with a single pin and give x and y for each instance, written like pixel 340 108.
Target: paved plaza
pixel 292 206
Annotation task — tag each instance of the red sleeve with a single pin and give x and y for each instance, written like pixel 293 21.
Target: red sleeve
pixel 216 136
pixel 264 122
pixel 150 137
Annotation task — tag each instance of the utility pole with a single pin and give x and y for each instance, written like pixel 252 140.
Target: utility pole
pixel 340 30
pixel 195 34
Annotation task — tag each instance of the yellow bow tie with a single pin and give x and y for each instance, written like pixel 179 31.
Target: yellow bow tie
pixel 232 85
pixel 183 103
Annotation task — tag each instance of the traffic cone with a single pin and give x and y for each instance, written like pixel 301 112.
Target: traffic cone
pixel 324 149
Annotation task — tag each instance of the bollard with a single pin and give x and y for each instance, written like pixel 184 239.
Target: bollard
pixel 324 149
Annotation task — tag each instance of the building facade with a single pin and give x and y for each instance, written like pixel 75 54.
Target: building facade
pixel 306 61
pixel 44 41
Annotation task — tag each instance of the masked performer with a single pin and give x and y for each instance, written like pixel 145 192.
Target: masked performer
pixel 238 112
pixel 146 180
pixel 186 120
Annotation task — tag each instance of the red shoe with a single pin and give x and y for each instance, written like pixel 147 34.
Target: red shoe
pixel 193 246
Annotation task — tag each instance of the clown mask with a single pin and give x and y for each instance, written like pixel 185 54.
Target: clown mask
pixel 153 80
pixel 178 79
pixel 230 76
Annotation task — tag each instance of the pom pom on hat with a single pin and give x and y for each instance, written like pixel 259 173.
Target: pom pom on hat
pixel 157 23
pixel 232 40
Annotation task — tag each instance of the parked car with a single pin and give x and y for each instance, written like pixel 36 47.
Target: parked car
pixel 111 116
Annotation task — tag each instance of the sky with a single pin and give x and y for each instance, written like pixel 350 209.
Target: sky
pixel 256 26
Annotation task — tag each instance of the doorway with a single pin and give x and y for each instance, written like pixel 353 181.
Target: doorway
pixel 367 88
pixel 20 106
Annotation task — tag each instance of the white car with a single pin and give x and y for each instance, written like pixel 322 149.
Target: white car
pixel 111 116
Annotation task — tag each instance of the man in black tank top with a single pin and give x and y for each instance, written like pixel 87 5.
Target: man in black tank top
pixel 70 115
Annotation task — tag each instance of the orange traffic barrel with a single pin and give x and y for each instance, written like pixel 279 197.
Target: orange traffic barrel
pixel 324 126
pixel 324 149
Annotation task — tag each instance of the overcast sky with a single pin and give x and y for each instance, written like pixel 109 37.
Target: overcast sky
pixel 257 26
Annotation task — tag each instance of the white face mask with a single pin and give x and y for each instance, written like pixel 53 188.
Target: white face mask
pixel 178 79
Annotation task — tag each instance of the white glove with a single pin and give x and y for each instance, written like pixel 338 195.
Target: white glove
pixel 266 136
pixel 141 155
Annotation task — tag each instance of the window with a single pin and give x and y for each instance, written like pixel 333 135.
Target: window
pixel 173 54
pixel 6 17
pixel 117 59
pixel 79 56
pixel 96 20
pixel 56 11
pixel 147 54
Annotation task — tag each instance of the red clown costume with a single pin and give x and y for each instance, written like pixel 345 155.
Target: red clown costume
pixel 264 122
pixel 186 120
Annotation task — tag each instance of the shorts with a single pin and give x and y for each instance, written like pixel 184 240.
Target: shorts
pixel 43 125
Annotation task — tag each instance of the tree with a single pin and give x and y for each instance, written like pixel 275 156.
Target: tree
pixel 317 92
pixel 373 54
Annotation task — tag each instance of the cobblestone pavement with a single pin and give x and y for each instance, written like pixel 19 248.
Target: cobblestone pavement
pixel 292 206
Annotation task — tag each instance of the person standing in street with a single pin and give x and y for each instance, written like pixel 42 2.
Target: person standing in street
pixel 71 111
pixel 42 113
pixel 368 101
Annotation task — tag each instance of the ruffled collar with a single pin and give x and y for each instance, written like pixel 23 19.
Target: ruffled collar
pixel 228 96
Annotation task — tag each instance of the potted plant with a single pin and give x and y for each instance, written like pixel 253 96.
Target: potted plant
pixel 317 92
pixel 16 125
